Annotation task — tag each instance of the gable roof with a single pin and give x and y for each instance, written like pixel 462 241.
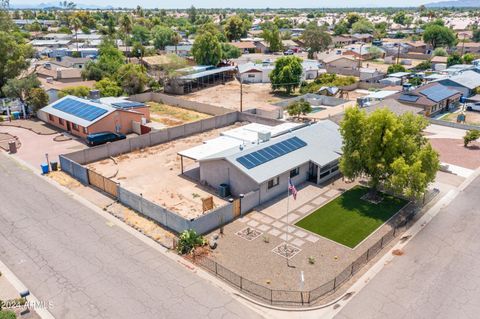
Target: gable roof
pixel 333 58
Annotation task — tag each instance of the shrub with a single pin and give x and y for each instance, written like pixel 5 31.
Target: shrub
pixel 188 241
pixel 470 136
pixel 7 314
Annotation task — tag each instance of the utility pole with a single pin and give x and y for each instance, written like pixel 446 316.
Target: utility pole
pixel 463 43
pixel 398 54
pixel 241 94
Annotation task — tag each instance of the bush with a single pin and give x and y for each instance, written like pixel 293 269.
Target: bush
pixel 7 314
pixel 394 68
pixel 326 79
pixel 188 241
pixel 471 136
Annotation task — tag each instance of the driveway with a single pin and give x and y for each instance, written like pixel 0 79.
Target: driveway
pixel 87 267
pixel 439 274
pixel 34 146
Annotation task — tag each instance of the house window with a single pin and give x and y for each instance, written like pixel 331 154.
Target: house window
pixel 294 172
pixel 60 121
pixel 251 75
pixel 50 117
pixel 273 182
pixel 75 126
pixel 85 130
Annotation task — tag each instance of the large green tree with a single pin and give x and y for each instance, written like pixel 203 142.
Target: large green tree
pixel 14 55
pixel 37 98
pixel 235 28
pixel 389 149
pixel 272 36
pixel 207 49
pixel 287 73
pixel 439 36
pixel 109 61
pixel 19 88
pixel 316 39
pixel 162 36
pixel 132 78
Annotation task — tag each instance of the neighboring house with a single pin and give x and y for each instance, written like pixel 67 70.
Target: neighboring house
pixel 245 46
pixel 69 62
pixel 370 74
pixel 50 43
pixel 439 63
pixel 53 87
pixel 260 73
pixel 341 64
pixel 340 41
pixel 180 50
pixel 81 117
pixel 418 47
pixel 310 154
pixel 468 47
pixel 262 47
pixel 433 98
pixel 466 82
pixel 59 74
pixel 362 37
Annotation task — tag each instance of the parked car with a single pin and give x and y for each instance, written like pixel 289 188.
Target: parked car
pixel 288 52
pixel 473 106
pixel 104 137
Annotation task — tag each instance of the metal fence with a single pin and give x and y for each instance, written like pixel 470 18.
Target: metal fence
pixel 290 297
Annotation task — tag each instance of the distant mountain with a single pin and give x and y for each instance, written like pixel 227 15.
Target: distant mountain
pixel 51 5
pixel 455 4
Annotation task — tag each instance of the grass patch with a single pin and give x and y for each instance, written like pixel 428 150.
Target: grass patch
pixel 174 113
pixel 349 219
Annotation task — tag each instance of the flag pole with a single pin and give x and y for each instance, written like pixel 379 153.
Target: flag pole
pixel 288 225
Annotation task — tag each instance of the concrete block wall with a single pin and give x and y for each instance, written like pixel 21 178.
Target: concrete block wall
pixel 250 201
pixel 213 220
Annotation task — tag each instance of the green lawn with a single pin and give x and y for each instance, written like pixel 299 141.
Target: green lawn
pixel 348 219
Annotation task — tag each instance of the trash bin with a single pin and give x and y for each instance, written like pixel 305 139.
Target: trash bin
pixel 54 165
pixel 44 168
pixel 16 115
pixel 12 147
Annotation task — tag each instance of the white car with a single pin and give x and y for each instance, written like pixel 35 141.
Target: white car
pixel 473 106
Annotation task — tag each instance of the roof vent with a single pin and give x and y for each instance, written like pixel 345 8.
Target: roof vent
pixel 49 80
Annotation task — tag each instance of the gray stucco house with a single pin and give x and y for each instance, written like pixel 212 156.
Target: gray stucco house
pixel 310 154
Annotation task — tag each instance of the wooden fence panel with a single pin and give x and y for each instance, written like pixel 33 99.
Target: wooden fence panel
pixel 96 179
pixel 111 187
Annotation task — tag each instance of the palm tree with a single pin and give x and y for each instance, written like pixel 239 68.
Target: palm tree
pixel 126 26
pixel 176 38
pixel 76 24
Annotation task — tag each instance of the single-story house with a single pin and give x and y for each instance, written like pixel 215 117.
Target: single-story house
pixel 362 37
pixel 81 117
pixel 53 87
pixel 465 82
pixel 310 154
pixel 370 74
pixel 245 46
pixel 340 41
pixel 468 47
pixel 439 63
pixel 418 47
pixel 260 73
pixel 433 98
pixel 363 51
pixel 69 62
pixel 340 62
pixel 180 50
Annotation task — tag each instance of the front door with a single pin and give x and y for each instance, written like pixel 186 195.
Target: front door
pixel 236 208
pixel 312 172
pixel 68 126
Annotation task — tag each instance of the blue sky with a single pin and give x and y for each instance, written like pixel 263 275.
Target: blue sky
pixel 240 4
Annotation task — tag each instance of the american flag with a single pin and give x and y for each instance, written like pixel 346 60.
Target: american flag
pixel 292 189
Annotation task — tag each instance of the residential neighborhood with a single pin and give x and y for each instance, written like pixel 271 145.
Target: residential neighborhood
pixel 257 160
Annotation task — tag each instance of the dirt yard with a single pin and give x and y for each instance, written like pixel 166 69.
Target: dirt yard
pixel 453 152
pixel 155 173
pixel 471 118
pixel 172 115
pixel 228 95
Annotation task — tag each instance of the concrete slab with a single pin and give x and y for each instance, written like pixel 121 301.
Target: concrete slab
pixel 297 242
pixel 263 228
pixel 274 232
pixel 312 238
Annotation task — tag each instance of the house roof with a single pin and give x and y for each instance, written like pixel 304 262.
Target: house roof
pixel 244 45
pixel 59 86
pixel 78 111
pixel 393 105
pixel 333 58
pixel 429 94
pixel 469 79
pixel 439 59
pixel 320 143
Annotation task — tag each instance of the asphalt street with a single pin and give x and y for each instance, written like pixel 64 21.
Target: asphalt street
pixel 69 255
pixel 439 274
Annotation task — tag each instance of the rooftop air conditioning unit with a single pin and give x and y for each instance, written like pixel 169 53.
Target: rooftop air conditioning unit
pixel 49 80
pixel 264 136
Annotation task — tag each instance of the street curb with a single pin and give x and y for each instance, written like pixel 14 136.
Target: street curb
pixel 19 286
pixel 202 273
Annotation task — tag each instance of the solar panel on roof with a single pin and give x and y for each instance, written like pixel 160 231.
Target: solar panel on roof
pixel 408 98
pixel 438 93
pixel 128 104
pixel 80 109
pixel 271 152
